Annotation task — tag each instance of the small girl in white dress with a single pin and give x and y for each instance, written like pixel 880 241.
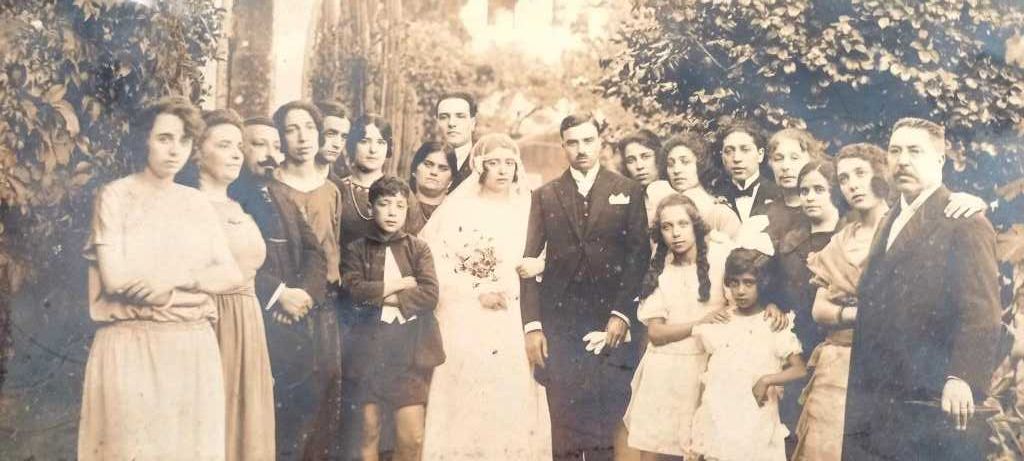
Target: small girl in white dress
pixel 738 417
pixel 682 289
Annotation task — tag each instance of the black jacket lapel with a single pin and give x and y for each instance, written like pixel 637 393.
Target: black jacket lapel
pixel 565 188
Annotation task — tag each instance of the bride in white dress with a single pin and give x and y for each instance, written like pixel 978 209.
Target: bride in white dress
pixel 484 402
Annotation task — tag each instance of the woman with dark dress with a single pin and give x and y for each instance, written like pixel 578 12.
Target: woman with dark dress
pixel 368 145
pixel 789 149
pixel 795 293
pixel 432 168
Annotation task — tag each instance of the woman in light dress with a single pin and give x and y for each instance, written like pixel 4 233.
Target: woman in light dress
pixel 154 384
pixel 861 171
pixel 248 382
pixel 484 402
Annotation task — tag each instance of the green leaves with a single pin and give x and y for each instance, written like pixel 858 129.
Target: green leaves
pixel 73 72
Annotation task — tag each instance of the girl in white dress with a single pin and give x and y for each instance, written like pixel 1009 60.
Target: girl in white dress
pixel 738 417
pixel 484 402
pixel 683 289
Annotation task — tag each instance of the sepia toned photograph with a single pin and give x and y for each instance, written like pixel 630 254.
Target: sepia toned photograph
pixel 444 230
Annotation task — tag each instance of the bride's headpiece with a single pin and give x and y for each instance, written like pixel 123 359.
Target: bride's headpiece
pixel 486 146
pixel 485 149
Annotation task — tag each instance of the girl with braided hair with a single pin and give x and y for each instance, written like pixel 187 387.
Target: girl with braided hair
pixel 682 289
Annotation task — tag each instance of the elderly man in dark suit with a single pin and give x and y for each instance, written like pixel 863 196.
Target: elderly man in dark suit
pixel 291 281
pixel 928 319
pixel 594 224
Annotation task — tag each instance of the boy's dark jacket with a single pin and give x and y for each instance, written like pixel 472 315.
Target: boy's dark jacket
pixel 362 269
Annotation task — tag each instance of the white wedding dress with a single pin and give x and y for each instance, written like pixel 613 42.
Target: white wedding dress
pixel 484 403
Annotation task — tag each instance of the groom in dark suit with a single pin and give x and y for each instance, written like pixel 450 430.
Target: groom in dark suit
pixel 594 223
pixel 928 320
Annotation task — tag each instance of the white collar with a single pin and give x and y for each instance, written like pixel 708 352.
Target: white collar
pixel 584 178
pixel 753 178
pixel 462 153
pixel 921 198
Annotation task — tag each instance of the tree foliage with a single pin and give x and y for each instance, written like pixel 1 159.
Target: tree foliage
pixel 73 72
pixel 846 70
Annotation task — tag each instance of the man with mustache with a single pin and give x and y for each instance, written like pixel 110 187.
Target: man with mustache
pixel 290 282
pixel 927 337
pixel 577 319
pixel 455 114
pixel 329 159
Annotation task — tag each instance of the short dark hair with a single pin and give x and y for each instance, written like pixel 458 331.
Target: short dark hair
pixel 332 109
pixel 314 113
pixel 577 119
pixel 706 172
pixel 217 117
pixel 389 186
pixel 828 171
pixel 426 149
pixel 141 124
pixel 876 157
pixel 648 139
pixel 740 125
pixel 463 95
pixel 358 132
pixel 746 261
pixel 259 120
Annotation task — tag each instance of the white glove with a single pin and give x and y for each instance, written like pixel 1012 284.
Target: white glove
pixel 596 341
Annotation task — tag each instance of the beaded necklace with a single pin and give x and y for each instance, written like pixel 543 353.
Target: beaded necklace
pixel 352 196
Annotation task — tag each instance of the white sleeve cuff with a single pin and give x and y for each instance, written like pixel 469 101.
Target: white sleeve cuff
pixel 532 326
pixel 623 317
pixel 273 298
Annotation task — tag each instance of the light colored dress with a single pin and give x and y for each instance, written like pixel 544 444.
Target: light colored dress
pixel 837 268
pixel 484 402
pixel 666 386
pixel 153 382
pixel 249 385
pixel 729 425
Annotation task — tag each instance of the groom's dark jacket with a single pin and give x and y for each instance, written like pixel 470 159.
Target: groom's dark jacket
pixel 600 242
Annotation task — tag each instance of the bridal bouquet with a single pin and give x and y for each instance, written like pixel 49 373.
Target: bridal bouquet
pixel 477 257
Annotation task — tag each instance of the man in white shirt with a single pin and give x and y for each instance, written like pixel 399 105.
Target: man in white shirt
pixel 928 318
pixel 455 114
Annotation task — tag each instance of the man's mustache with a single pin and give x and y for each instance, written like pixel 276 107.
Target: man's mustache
pixel 268 162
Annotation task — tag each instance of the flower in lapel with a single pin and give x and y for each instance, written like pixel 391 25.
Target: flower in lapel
pixel 618 199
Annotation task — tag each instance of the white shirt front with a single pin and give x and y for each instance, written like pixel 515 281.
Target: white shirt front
pixel 462 154
pixel 584 181
pixel 391 314
pixel 907 212
pixel 745 204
